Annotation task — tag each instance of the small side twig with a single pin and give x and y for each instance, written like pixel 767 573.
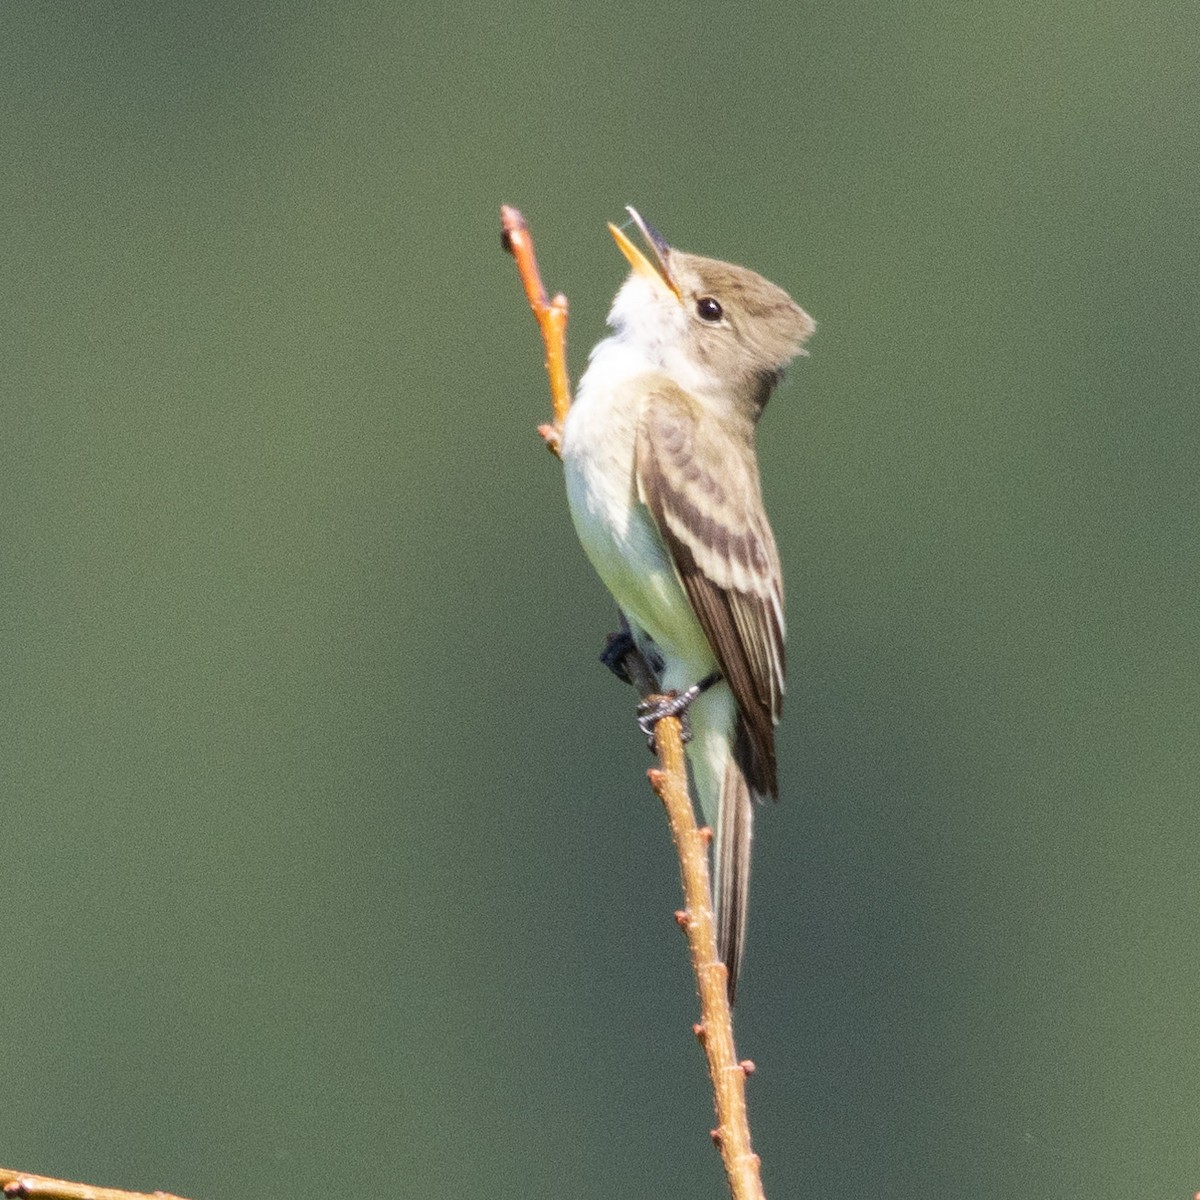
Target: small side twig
pixel 669 781
pixel 20 1185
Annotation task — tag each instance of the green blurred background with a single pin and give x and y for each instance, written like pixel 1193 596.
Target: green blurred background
pixel 330 865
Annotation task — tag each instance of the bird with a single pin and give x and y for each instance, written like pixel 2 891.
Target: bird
pixel 663 486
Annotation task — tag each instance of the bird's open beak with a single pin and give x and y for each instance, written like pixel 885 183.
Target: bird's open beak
pixel 653 268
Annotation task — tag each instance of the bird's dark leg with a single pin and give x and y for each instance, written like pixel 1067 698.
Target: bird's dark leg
pixel 618 647
pixel 676 704
pixel 634 662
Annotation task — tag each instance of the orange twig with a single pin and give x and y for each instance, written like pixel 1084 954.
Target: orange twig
pixel 669 780
pixel 21 1185
pixel 551 318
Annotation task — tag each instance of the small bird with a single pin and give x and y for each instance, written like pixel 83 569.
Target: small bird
pixel 662 481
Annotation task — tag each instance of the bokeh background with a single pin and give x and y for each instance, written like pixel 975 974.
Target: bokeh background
pixel 329 861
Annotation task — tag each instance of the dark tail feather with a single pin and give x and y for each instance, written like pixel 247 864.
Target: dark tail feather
pixel 732 884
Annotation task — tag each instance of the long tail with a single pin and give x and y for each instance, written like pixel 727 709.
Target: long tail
pixel 717 752
pixel 731 875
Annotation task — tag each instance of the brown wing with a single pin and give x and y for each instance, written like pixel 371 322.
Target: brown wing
pixel 701 485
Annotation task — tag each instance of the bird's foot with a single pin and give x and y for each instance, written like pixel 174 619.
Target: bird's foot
pixel 655 708
pixel 673 704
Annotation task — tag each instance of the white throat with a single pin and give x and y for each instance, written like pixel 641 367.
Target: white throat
pixel 650 335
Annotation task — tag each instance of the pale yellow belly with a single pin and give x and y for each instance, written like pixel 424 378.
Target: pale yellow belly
pixel 619 535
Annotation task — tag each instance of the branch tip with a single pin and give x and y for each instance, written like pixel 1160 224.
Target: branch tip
pixel 551 316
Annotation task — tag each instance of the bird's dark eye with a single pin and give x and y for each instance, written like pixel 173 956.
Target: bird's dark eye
pixel 709 309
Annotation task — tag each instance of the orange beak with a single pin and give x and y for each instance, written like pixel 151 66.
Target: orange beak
pixel 656 268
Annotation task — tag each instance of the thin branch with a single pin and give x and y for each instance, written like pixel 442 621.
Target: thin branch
pixel 551 318
pixel 20 1185
pixel 669 780
pixel 715 1028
